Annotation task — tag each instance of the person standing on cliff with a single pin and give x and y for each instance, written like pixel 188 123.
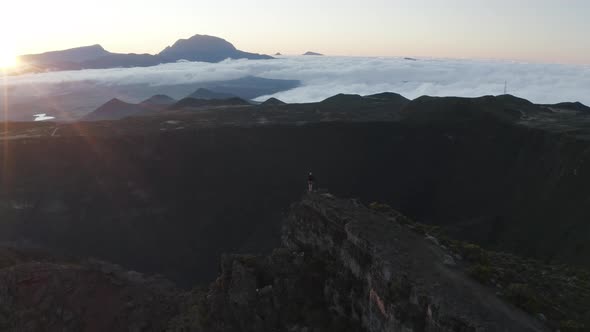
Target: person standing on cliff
pixel 310 182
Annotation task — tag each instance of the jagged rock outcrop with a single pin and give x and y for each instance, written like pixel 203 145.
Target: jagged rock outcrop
pixel 345 268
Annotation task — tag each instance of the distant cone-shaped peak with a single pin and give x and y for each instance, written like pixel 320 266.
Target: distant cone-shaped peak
pixel 273 102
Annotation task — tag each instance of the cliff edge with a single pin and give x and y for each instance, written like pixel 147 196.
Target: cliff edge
pixel 346 267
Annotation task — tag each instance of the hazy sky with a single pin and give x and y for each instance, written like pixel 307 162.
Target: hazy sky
pixel 536 30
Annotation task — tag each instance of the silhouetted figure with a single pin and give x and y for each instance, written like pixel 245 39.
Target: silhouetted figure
pixel 310 182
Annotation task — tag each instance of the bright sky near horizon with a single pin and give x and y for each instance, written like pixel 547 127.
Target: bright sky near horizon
pixel 533 30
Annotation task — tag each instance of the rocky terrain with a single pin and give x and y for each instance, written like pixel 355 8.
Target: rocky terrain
pixel 166 191
pixel 341 266
pixel 495 180
pixel 346 268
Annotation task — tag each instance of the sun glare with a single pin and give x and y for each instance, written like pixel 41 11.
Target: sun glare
pixel 7 59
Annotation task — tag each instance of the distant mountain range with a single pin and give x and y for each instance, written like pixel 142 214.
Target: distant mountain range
pixel 312 53
pixel 386 106
pixel 196 48
pixel 116 109
pixel 73 101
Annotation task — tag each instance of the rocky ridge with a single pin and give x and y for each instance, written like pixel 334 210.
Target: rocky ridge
pixel 344 267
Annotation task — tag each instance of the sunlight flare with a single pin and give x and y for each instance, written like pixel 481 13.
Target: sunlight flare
pixel 8 58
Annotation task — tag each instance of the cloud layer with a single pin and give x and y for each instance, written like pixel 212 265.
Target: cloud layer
pixel 323 77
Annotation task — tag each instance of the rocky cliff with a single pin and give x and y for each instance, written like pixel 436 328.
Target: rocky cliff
pixel 341 267
pixel 344 267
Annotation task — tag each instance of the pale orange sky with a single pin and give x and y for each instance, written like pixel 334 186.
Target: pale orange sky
pixel 535 30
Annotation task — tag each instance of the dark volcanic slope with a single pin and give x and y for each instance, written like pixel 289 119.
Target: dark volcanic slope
pixel 171 192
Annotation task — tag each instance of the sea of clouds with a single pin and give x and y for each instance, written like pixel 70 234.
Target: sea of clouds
pixel 323 77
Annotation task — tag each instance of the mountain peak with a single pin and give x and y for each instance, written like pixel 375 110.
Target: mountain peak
pixel 114 109
pixel 196 48
pixel 205 48
pixel 387 96
pixel 273 102
pixel 343 98
pixel 95 46
pixel 115 101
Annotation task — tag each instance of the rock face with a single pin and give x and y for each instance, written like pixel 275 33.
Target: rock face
pixel 346 268
pixel 341 267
